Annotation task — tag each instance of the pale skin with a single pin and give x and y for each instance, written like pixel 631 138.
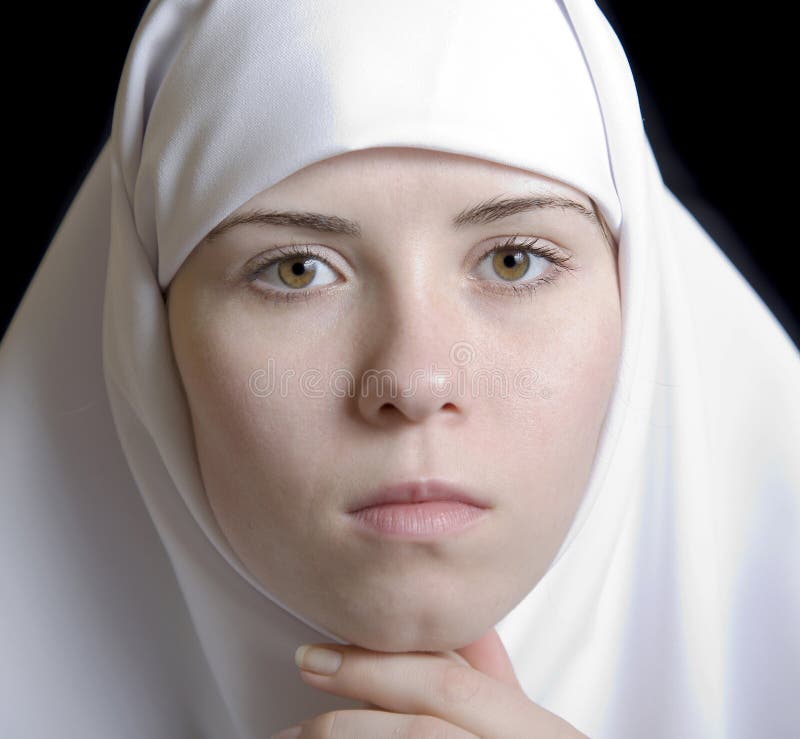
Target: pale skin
pixel 281 470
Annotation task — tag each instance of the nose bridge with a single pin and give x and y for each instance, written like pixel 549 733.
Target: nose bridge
pixel 422 317
pixel 410 363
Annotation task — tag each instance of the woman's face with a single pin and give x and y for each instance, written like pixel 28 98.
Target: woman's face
pixel 498 391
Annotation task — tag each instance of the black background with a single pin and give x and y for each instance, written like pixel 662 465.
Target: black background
pixel 715 89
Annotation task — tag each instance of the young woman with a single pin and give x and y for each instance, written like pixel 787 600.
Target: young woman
pixel 374 327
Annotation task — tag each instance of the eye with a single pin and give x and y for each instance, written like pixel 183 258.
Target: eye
pixel 283 274
pixel 513 260
pixel 290 272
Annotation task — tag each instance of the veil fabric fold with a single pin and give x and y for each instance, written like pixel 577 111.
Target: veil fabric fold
pixel 671 608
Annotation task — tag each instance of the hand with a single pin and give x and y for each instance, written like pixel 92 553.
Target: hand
pixel 472 692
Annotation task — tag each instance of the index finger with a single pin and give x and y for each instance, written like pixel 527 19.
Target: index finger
pixel 423 683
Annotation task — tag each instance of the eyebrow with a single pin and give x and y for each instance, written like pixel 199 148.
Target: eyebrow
pixel 493 209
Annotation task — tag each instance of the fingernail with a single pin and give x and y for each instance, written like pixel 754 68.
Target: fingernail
pixel 291 733
pixel 316 659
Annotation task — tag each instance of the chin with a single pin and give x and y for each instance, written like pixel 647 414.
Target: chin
pixel 439 633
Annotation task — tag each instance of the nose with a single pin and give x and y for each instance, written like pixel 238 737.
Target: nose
pixel 412 376
pixel 413 396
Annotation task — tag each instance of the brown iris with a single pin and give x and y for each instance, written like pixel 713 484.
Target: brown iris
pixel 510 264
pixel 297 272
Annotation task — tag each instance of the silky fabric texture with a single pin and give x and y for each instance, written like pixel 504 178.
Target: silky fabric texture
pixel 670 608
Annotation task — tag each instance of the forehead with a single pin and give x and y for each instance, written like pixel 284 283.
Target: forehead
pixel 412 173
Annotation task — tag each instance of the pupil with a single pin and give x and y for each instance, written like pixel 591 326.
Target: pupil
pixel 298 268
pixel 510 261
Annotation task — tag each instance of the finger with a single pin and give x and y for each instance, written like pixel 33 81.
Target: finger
pixel 371 724
pixel 419 683
pixel 489 655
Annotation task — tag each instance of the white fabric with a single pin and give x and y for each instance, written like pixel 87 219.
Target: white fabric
pixel 672 606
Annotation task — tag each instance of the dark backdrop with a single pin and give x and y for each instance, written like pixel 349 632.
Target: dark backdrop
pixel 712 89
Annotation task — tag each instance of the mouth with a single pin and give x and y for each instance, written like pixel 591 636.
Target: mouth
pixel 419 491
pixel 420 508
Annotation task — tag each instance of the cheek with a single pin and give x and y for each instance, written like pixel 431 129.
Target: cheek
pixel 582 369
pixel 550 438
pixel 253 433
pixel 224 354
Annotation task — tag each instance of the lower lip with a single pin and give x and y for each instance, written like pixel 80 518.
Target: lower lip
pixel 433 518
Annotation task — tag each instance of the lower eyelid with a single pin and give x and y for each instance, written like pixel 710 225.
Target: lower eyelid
pixel 521 288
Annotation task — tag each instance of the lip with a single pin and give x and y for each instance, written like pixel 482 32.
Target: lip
pixel 419 491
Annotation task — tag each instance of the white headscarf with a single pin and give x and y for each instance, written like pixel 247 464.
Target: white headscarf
pixel 671 608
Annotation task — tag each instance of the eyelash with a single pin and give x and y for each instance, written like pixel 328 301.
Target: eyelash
pixel 559 261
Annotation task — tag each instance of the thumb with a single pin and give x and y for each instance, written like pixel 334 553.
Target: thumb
pixel 488 655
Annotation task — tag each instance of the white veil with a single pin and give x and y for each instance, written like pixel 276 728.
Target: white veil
pixel 671 608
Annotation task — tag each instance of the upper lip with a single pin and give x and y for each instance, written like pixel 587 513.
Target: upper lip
pixel 418 491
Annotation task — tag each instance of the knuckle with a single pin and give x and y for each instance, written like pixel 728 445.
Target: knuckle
pixel 457 684
pixel 322 726
pixel 425 727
